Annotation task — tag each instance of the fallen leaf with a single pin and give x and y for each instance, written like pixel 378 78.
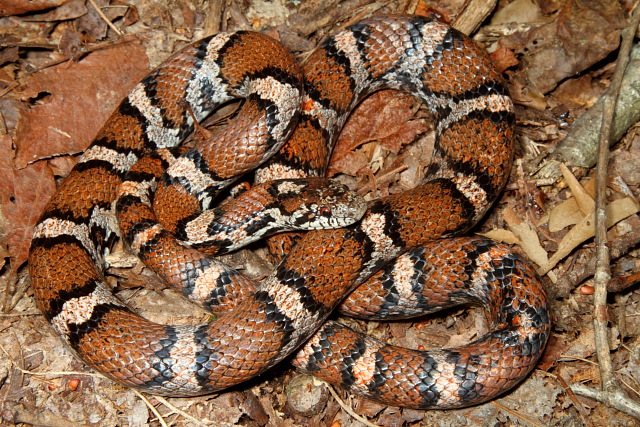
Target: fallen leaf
pixel 527 235
pixel 23 195
pixel 19 7
pixel 585 229
pixel 74 101
pixel 584 201
pixel 518 12
pixel 555 348
pixel 385 117
pixel 564 214
pixel 71 9
pixel 582 91
pixel 503 59
pixel 582 34
pixel 568 212
pixel 502 235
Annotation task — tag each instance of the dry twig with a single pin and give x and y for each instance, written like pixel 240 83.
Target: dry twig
pixel 153 408
pixel 104 18
pixel 611 393
pixel 520 416
pixel 472 15
pixel 348 409
pixel 176 410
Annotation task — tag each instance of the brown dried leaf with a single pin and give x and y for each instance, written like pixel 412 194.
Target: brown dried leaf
pixel 391 417
pixel 92 23
pixel 9 54
pixel 80 98
pixel 587 373
pixel 349 163
pixel 71 9
pixel 504 58
pixel 131 14
pixel 23 194
pixel 583 345
pixel 582 91
pixel 18 7
pixel 11 110
pixel 584 33
pixel 385 117
pixel 556 347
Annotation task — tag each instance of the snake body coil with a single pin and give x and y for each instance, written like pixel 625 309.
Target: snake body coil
pixel 474 124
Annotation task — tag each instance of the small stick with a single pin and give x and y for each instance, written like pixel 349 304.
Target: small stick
pixel 348 409
pixel 177 410
pixel 104 17
pixel 611 394
pixel 153 408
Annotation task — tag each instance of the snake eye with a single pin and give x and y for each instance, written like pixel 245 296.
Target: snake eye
pixel 325 211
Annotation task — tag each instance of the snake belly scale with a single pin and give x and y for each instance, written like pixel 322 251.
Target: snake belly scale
pixel 474 123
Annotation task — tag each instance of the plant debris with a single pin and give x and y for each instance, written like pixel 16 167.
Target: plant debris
pixel 66 64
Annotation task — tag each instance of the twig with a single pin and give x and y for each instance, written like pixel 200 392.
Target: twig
pixel 153 408
pixel 348 409
pixel 410 6
pixel 178 411
pixel 472 15
pixel 516 414
pixel 584 415
pixel 579 147
pixel 26 313
pixel 9 290
pixel 48 373
pixel 104 18
pixel 384 178
pixel 616 399
pixel 611 393
pixel 603 270
pixel 214 18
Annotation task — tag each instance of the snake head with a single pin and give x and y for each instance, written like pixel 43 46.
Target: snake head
pixel 320 203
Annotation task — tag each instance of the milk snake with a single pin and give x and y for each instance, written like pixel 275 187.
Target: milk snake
pixel 474 124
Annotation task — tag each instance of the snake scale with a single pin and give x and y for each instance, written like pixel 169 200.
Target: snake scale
pixel 392 257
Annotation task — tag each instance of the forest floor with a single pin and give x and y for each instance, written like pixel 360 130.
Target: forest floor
pixel 64 68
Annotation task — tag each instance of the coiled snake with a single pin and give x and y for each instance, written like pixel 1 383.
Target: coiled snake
pixel 474 123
